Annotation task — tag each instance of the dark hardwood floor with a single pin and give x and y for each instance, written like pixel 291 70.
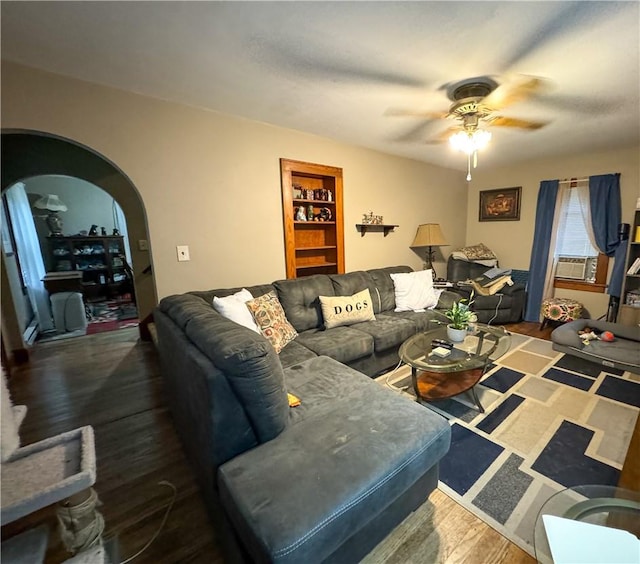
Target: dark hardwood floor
pixel 112 382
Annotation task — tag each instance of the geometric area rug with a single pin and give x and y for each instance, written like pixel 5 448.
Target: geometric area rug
pixel 551 421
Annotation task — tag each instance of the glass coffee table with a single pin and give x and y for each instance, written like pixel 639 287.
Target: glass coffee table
pixel 436 378
pixel 607 506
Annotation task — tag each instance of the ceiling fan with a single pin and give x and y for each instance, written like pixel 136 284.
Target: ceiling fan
pixel 476 102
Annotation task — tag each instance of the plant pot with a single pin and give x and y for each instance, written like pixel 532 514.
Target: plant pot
pixel 456 335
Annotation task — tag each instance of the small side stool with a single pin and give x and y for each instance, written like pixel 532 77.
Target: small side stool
pixel 560 309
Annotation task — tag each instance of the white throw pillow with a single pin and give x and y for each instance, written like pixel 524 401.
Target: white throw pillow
pixel 414 290
pixel 234 308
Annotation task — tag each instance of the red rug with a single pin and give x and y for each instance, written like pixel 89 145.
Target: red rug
pixel 111 315
pixel 104 326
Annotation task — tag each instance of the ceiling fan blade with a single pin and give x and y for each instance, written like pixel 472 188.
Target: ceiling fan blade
pixel 417 133
pixel 501 121
pixel 581 104
pixel 443 136
pixel 306 62
pixel 570 18
pixel 414 113
pixel 509 93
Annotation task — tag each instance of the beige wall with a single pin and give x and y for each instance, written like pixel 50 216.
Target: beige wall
pixel 212 181
pixel 512 240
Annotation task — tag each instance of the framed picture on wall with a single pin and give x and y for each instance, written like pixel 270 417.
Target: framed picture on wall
pixel 500 205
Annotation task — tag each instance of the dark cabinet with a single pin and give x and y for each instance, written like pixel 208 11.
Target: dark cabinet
pixel 101 260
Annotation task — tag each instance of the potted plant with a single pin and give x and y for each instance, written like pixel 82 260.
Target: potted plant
pixel 459 315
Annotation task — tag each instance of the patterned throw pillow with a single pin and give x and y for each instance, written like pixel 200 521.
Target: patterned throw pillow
pixel 272 321
pixel 478 252
pixel 347 310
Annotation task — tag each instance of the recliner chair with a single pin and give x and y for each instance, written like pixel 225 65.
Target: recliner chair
pixel 506 306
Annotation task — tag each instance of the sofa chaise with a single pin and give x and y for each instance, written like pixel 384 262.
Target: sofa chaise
pixel 322 482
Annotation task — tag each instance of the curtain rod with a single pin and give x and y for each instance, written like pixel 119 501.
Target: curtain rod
pixel 570 180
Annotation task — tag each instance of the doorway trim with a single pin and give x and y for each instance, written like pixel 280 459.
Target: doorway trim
pixel 29 153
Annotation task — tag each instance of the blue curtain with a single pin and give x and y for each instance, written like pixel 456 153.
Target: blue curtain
pixel 540 250
pixel 606 214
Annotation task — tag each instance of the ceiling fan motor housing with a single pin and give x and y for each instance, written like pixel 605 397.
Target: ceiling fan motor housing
pixel 478 89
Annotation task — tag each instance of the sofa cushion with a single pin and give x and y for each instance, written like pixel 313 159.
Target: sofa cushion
pixel 270 318
pixel 252 367
pixel 342 343
pixel 384 297
pixel 352 283
pixel 362 447
pixel 346 310
pixel 299 299
pixel 293 353
pixel 414 290
pixel 387 331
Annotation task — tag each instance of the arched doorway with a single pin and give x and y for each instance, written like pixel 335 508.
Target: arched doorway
pixel 27 154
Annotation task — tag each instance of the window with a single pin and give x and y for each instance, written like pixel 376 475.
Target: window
pixel 577 262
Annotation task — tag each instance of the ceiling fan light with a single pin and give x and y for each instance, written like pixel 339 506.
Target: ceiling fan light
pixel 470 141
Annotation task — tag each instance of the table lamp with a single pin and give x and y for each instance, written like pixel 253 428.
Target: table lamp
pixel 53 205
pixel 429 235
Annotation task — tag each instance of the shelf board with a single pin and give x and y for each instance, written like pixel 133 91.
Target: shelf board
pixel 315 265
pixel 314 223
pixel 322 248
pixel 364 227
pixel 313 201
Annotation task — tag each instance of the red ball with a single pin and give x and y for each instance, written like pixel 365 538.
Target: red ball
pixel 607 336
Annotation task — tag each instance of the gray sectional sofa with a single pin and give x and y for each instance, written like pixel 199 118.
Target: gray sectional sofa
pixel 322 482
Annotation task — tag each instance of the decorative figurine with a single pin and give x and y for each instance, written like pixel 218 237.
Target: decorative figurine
pixel 310 212
pixel 103 231
pixel 93 230
pixel 116 232
pixel 300 215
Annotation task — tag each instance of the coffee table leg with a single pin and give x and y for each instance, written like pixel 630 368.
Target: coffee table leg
pixel 414 381
pixel 477 400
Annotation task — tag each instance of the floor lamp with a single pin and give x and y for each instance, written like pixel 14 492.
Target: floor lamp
pixel 429 235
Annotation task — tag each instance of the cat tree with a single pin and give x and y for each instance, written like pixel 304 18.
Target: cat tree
pixel 60 469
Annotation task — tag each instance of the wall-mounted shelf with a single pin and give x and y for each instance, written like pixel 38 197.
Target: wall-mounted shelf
pixel 364 227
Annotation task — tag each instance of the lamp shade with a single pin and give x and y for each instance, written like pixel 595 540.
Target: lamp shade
pixel 50 202
pixel 429 235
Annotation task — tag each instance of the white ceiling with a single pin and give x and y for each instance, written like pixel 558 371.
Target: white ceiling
pixel 336 69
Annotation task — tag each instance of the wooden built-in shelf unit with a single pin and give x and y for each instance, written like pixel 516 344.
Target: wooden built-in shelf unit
pixel 312 246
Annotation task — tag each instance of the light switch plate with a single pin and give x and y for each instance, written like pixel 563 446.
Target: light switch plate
pixel 143 245
pixel 183 253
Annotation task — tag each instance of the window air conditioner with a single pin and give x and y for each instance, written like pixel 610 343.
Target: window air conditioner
pixel 576 268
